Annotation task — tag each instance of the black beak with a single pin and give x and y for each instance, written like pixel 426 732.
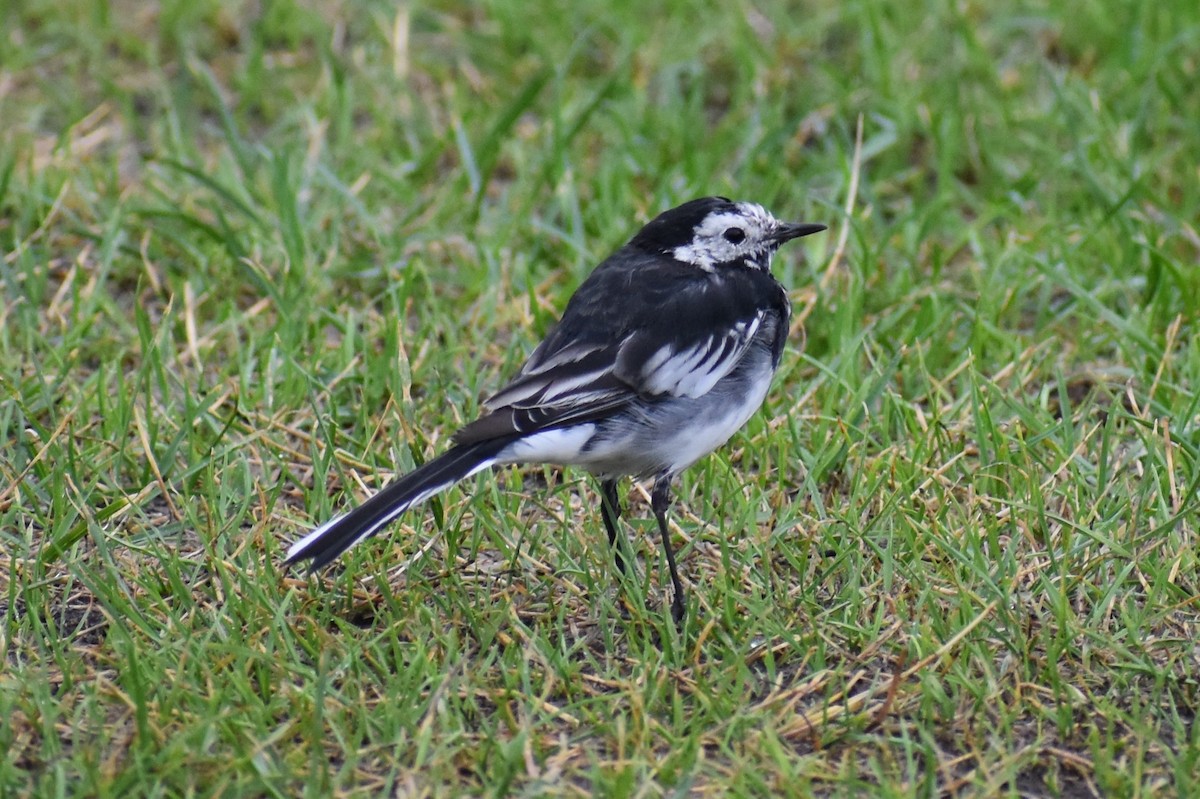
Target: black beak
pixel 789 230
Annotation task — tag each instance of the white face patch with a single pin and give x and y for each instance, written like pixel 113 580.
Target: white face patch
pixel 727 236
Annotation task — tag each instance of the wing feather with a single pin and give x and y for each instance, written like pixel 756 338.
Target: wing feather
pixel 687 369
pixel 678 333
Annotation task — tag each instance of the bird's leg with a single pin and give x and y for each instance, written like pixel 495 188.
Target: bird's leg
pixel 610 511
pixel 660 500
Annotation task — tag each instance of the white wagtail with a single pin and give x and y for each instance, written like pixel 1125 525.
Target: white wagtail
pixel 663 353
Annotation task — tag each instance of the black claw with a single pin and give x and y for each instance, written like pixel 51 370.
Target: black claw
pixel 678 608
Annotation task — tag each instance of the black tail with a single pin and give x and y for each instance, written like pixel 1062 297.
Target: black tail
pixel 335 536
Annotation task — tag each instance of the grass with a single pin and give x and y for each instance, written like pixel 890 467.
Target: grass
pixel 259 258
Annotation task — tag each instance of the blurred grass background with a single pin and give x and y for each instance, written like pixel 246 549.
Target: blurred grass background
pixel 257 257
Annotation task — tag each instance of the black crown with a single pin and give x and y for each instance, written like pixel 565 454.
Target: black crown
pixel 675 228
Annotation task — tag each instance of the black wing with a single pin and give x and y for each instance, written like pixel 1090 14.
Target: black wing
pixel 677 332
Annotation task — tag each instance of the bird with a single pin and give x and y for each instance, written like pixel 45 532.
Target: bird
pixel 663 352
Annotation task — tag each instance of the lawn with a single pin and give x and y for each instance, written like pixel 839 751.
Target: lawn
pixel 256 259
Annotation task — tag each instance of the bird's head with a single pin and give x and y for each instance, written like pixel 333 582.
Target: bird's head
pixel 715 231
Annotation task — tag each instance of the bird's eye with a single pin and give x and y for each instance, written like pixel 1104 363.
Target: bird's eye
pixel 735 235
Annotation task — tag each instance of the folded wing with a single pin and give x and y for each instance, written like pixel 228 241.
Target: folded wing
pixel 582 372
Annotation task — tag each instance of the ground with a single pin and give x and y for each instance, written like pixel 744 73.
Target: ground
pixel 259 257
